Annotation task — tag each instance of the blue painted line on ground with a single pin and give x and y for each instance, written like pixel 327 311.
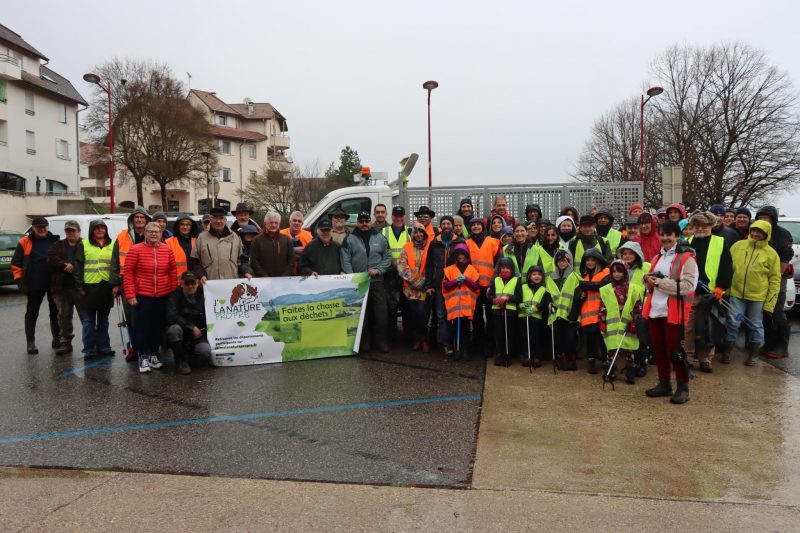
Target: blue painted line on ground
pixel 98 362
pixel 235 418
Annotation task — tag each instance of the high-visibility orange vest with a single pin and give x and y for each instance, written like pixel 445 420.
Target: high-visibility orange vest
pixel 460 301
pixel 431 231
pixel 125 244
pixel 27 247
pixel 180 255
pixel 591 306
pixel 411 258
pixel 483 258
pixel 304 236
pixel 673 309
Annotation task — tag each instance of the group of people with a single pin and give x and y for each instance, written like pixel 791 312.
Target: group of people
pixel 667 287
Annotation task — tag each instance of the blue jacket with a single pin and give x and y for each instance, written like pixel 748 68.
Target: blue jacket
pixel 354 254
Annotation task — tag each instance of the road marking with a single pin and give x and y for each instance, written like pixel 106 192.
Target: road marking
pixel 99 362
pixel 235 418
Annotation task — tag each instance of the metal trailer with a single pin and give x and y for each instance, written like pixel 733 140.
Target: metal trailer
pixel 551 197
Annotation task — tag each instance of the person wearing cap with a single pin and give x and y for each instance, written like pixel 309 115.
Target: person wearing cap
pixel 93 271
pixel 715 270
pixel 501 209
pixel 206 221
pixel 604 219
pixel 123 242
pixel 186 316
pixel 754 290
pixel 467 212
pixel 379 213
pixel 673 272
pixel 247 234
pixel 182 241
pixel 338 218
pixel 243 215
pixel 484 252
pixel 150 277
pixel 565 226
pixel 365 250
pixel 160 218
pixel 300 237
pixel 776 326
pixel 497 225
pixel 397 235
pixel 272 253
pixel 412 269
pixel 720 228
pixel 676 212
pixel 648 237
pixel 322 256
pixel 594 274
pixel 741 223
pixel 505 293
pixel 438 258
pixel 425 216
pixel 61 260
pixel 32 274
pixel 631 228
pixel 533 213
pixel 217 253
pixel 587 238
pixel 635 210
pixel 460 289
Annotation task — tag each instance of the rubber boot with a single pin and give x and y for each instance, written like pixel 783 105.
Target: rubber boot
pixel 56 331
pixel 179 353
pixel 752 354
pixel 30 336
pixel 592 365
pixel 417 345
pixel 630 373
pixel 725 355
pixel 664 388
pixel 681 394
pixel 64 348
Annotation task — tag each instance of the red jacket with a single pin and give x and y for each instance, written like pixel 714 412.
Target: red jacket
pixel 150 271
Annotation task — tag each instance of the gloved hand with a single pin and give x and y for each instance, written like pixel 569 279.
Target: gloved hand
pixel 602 327
pixel 459 281
pixel 632 327
pixel 461 278
pixel 719 292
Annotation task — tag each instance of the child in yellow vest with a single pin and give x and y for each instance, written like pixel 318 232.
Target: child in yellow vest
pixel 533 312
pixel 505 294
pixel 620 308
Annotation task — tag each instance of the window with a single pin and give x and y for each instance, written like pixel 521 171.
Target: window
pixel 225 147
pixel 62 113
pixel 222 120
pixel 62 149
pixel 253 174
pixel 29 109
pixel 53 186
pixel 226 174
pixel 30 142
pixel 353 206
pixel 252 150
pixel 3 91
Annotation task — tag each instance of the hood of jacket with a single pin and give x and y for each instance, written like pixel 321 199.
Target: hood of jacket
pixel 764 226
pixel 770 211
pixel 185 216
pixel 138 211
pixel 596 254
pixel 679 207
pixel 93 224
pixel 556 258
pixel 635 247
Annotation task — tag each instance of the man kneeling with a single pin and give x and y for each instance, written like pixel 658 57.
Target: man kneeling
pixel 187 333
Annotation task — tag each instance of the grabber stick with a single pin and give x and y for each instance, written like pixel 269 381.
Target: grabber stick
pixel 607 376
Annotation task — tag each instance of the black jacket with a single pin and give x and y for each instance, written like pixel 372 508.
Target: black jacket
pixel 187 314
pixel 324 260
pixel 438 259
pixel 57 258
pixel 781 240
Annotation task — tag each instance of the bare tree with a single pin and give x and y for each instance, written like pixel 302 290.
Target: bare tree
pixel 298 191
pixel 727 116
pixel 158 135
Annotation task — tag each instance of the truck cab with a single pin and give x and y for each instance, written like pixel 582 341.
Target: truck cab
pixel 352 200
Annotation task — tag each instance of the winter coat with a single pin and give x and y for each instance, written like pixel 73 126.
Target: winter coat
pixel 272 256
pixel 22 263
pixel 218 257
pixel 187 314
pixel 756 269
pixel 122 239
pixel 439 259
pixel 781 240
pixel 57 258
pixel 150 271
pixel 94 296
pixel 324 260
pixel 354 254
pixel 651 243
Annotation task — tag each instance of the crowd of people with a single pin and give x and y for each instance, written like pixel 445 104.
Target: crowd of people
pixel 667 287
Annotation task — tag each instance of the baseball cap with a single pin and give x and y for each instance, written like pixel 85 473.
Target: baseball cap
pixel 40 221
pixel 398 211
pixel 188 276
pixel 364 214
pixel 324 224
pixel 72 224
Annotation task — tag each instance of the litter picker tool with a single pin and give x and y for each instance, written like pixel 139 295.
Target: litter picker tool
pixel 528 337
pixel 505 331
pixel 123 325
pixel 607 376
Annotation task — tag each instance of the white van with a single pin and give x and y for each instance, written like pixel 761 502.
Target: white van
pixel 114 223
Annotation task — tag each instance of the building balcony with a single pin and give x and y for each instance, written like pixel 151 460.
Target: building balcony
pixel 279 167
pixel 279 142
pixel 10 68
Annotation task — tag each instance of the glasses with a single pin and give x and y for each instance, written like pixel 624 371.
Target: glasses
pixel 153 231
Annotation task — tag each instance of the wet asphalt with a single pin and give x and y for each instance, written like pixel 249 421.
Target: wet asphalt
pixel 403 418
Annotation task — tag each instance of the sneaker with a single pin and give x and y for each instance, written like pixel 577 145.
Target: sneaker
pixel 106 352
pixel 448 351
pixel 705 366
pixel 144 364
pixel 64 349
pixel 155 362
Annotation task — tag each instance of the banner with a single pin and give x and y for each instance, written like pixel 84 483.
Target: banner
pixel 271 320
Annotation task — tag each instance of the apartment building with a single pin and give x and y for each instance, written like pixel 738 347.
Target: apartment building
pixel 38 122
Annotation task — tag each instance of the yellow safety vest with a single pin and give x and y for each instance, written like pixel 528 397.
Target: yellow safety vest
pixel 613 238
pixel 564 300
pixel 617 323
pixel 97 264
pixel 509 288
pixel 531 302
pixel 713 256
pixel 531 259
pixel 395 245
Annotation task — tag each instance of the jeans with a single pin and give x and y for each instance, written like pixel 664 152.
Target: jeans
pixel 95 330
pixel 443 335
pixel 753 311
pixel 416 321
pixel 32 312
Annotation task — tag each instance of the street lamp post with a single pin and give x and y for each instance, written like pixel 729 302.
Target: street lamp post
pixel 651 92
pixel 91 77
pixel 207 154
pixel 429 86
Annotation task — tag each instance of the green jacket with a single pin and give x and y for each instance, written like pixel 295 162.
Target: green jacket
pixel 756 269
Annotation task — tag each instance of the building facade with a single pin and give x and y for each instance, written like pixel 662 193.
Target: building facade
pixel 39 148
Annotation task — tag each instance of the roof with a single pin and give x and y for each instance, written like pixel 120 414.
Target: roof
pixel 236 133
pixel 56 84
pixel 214 103
pixel 16 40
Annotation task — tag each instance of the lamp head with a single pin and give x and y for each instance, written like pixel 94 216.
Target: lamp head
pixel 655 91
pixel 91 77
pixel 430 85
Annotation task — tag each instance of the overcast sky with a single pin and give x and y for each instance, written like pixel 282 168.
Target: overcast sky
pixel 520 82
